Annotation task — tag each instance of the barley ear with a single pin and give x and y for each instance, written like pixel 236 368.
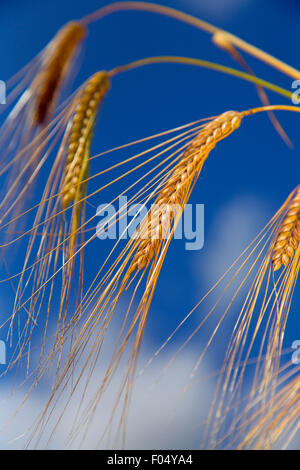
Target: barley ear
pixel 288 237
pixel 177 187
pixel 58 56
pixel 80 134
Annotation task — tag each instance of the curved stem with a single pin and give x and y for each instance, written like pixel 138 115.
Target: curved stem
pixel 204 64
pixel 275 107
pixel 203 25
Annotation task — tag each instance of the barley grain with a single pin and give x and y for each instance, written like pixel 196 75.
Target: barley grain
pixel 57 61
pixel 177 186
pixel 288 237
pixel 80 133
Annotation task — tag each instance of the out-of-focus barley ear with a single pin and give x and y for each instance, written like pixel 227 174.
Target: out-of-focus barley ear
pixel 32 117
pixel 55 68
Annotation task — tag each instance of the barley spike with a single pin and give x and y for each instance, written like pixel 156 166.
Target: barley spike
pixel 177 186
pixel 288 236
pixel 80 133
pixel 57 60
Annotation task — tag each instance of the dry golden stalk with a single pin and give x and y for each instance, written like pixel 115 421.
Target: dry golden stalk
pixel 57 62
pixel 288 237
pixel 80 133
pixel 177 186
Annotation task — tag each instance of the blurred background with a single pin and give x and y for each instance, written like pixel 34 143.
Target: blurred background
pixel 244 182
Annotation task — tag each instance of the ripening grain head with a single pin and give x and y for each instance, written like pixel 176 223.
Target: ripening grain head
pixel 58 57
pixel 80 133
pixel 177 187
pixel 288 237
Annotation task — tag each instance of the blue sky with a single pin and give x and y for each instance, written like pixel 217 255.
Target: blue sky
pixel 245 179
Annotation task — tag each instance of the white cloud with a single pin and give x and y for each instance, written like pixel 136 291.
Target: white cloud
pixel 153 405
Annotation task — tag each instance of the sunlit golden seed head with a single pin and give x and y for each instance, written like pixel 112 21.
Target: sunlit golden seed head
pixel 288 235
pixel 177 187
pixel 56 65
pixel 88 101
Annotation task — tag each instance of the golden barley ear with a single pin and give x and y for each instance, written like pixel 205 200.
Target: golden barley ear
pixel 288 236
pixel 58 57
pixel 177 187
pixel 80 133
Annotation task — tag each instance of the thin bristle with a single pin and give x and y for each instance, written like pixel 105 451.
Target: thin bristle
pixel 56 65
pixel 173 192
pixel 288 237
pixel 80 132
